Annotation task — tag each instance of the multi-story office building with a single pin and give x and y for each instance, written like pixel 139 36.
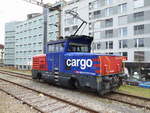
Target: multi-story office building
pixel 1 54
pixel 118 26
pixel 30 35
pixel 29 40
pixel 122 27
pixel 10 44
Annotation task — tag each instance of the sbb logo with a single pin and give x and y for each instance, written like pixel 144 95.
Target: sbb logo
pixel 83 63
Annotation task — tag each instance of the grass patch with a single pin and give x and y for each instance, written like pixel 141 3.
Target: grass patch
pixel 135 90
pixel 16 70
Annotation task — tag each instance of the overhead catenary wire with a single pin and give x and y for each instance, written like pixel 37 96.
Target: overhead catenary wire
pixel 76 15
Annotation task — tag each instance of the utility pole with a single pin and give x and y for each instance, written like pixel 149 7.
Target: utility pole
pixel 45 14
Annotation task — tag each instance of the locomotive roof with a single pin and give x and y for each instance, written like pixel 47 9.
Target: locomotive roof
pixel 76 37
pixel 100 54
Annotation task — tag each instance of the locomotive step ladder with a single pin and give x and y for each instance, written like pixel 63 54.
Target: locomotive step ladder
pixel 56 76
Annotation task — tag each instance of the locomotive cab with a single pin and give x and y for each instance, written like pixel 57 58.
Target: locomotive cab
pixel 56 50
pixel 70 44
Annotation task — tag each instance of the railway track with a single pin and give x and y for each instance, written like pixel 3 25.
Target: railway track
pixel 133 100
pixel 41 101
pixel 19 75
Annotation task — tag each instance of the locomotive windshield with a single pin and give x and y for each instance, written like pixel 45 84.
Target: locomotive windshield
pixel 76 47
pixel 56 47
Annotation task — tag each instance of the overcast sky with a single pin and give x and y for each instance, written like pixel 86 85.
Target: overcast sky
pixel 15 10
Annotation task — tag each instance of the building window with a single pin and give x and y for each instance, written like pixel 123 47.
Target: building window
pixel 139 56
pixel 124 44
pixel 123 32
pixel 138 29
pixel 123 8
pixel 108 22
pixel 108 2
pixel 125 54
pixel 98 45
pixel 93 46
pixel 67 31
pixel 106 45
pixel 139 42
pixel 71 21
pixel 120 44
pixel 135 43
pixel 109 33
pixel 97 35
pixel 138 3
pixel 108 11
pixel 139 16
pixel 74 28
pixel 122 20
pixel 96 26
pixel 111 45
pixel 97 14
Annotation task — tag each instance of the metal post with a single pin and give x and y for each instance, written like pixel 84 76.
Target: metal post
pixel 45 12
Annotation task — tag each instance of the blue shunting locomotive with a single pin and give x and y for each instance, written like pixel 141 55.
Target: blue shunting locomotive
pixel 69 63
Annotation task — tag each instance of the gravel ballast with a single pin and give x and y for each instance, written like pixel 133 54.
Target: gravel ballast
pixel 9 104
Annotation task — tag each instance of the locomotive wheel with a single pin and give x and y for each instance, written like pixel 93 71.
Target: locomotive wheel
pixel 76 84
pixel 100 93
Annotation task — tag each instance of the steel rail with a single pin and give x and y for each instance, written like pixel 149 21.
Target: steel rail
pixel 16 72
pixel 133 104
pixel 24 77
pixel 130 103
pixel 134 96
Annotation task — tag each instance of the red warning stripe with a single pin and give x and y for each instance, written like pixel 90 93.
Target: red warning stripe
pixel 96 65
pixel 95 59
pixel 98 71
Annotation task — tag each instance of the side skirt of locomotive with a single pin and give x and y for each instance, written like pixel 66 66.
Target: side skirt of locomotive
pixel 101 84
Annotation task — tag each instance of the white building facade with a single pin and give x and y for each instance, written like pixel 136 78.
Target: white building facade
pixel 28 41
pixel 9 55
pixel 123 27
pixel 118 27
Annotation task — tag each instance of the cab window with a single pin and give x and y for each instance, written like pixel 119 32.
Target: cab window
pixel 74 47
pixel 56 47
